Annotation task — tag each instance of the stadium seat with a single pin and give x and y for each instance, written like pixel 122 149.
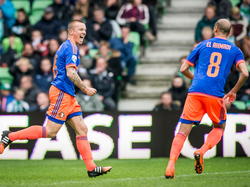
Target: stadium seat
pixel 21 4
pixel 41 4
pixel 92 52
pixel 37 9
pixel 248 104
pixel 36 16
pixel 134 37
pixel 5 76
pixel 235 2
pixel 239 105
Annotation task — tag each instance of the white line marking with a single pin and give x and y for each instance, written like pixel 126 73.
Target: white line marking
pixel 99 180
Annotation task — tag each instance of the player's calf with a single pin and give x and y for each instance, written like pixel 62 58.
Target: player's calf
pixel 5 141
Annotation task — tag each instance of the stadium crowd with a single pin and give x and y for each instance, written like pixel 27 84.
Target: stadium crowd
pixel 239 16
pixel 117 33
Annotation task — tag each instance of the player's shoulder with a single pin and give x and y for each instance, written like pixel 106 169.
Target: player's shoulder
pixel 68 46
pixel 63 47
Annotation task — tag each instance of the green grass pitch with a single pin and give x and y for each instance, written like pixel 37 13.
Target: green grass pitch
pixel 222 172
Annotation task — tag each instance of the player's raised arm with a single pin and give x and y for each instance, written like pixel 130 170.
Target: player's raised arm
pixel 74 77
pixel 231 95
pixel 184 69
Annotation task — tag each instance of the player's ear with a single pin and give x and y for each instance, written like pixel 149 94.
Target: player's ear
pixel 70 31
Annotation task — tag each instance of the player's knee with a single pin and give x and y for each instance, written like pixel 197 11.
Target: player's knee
pixel 221 126
pixel 51 133
pixel 82 129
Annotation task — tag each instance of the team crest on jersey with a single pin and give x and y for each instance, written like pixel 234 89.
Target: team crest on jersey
pixel 61 114
pixel 74 58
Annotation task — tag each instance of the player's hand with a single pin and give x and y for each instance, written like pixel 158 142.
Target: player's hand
pixel 89 91
pixel 229 97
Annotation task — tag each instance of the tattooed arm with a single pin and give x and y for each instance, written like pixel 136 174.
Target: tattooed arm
pixel 74 77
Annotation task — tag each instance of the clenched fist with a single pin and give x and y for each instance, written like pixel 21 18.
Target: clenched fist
pixel 89 91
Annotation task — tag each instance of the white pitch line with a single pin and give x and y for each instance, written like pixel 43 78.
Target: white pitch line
pixel 139 178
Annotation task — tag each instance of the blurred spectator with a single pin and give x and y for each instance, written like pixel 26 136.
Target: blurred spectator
pixel 111 56
pixel 114 65
pixel 178 91
pixel 137 15
pixel 2 28
pixel 128 60
pixel 208 19
pixel 8 11
pixel 244 6
pixel 246 45
pixel 44 76
pixel 62 11
pixel 104 82
pixel 232 79
pixel 48 24
pixel 166 103
pixel 207 33
pixel 99 28
pixel 153 14
pixel 31 90
pixel 179 74
pixel 112 8
pixel 83 7
pixel 52 46
pixel 78 16
pixel 223 8
pixel 239 24
pixel 62 37
pixel 243 96
pixel 12 43
pixel 18 104
pixel 28 52
pixel 245 92
pixel 42 102
pixel 21 68
pixel 89 103
pixel 231 37
pixel 21 28
pixel 86 62
pixel 5 96
pixel 37 42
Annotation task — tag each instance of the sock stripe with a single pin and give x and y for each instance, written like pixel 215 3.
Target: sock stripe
pixel 81 138
pixel 181 133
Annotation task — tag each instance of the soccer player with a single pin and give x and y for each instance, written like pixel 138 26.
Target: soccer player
pixel 63 104
pixel 213 60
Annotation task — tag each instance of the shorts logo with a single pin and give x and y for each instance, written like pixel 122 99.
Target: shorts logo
pixel 74 58
pixel 61 114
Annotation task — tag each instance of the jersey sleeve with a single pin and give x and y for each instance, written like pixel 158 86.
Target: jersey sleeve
pixel 194 55
pixel 239 57
pixel 70 57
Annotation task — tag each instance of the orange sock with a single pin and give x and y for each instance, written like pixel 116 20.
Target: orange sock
pixel 30 133
pixel 84 149
pixel 177 145
pixel 213 139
